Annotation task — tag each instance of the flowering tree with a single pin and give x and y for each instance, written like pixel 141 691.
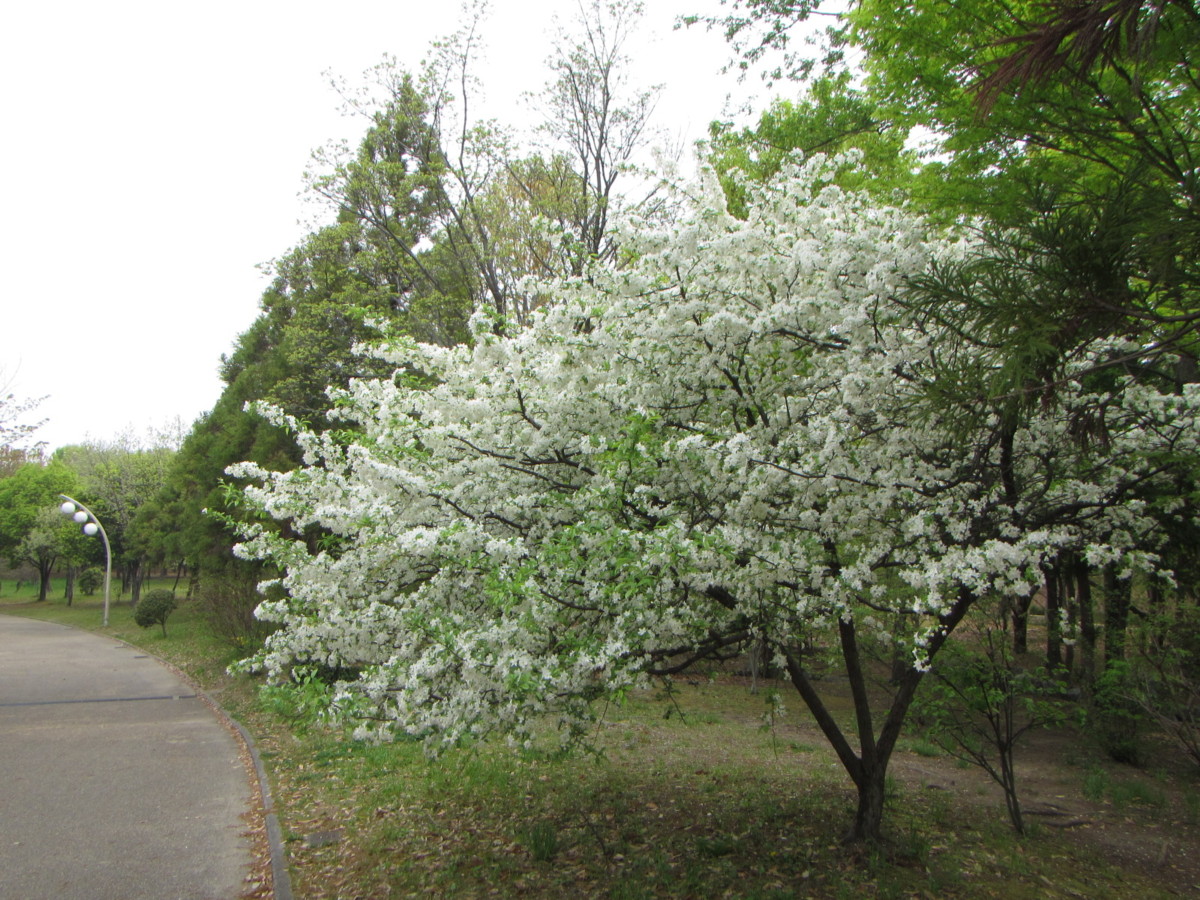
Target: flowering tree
pixel 732 440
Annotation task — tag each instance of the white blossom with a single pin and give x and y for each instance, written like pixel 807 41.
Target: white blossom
pixel 711 440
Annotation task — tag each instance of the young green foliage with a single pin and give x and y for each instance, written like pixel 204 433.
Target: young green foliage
pixel 980 702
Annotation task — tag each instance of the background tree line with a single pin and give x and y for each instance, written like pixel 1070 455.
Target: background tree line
pixel 437 213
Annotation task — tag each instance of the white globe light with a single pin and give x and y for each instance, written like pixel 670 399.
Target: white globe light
pixel 80 516
pixel 67 508
pixel 91 528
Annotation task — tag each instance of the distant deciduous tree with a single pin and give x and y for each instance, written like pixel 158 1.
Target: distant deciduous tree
pixel 597 117
pixel 832 117
pixel 31 528
pixel 16 430
pixel 437 216
pixel 120 476
pixel 50 539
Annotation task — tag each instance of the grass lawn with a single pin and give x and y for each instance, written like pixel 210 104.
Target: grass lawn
pixel 705 804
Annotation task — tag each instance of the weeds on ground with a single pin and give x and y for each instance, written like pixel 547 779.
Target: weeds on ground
pixel 1100 786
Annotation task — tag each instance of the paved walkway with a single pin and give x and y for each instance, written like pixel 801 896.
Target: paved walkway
pixel 116 782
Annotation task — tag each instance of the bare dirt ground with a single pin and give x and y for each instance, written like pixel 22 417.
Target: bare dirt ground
pixel 1142 817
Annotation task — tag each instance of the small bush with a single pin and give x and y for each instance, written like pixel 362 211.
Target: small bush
pixel 1166 686
pixel 1116 720
pixel 154 608
pixel 1095 784
pixel 302 701
pixel 926 747
pixel 90 580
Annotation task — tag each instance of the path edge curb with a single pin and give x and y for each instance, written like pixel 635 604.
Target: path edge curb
pixel 281 882
pixel 280 879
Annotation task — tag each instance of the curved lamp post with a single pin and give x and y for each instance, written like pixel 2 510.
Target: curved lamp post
pixel 85 517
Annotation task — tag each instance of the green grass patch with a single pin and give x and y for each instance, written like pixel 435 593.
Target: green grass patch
pixel 1124 793
pixel 1100 786
pixel 923 747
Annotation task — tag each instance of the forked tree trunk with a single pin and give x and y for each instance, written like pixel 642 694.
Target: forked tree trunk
pixel 868 777
pixel 868 767
pixel 1020 624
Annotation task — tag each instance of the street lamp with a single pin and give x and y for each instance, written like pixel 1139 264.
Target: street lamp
pixel 85 517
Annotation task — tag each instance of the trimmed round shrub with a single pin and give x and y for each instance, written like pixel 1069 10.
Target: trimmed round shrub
pixel 154 608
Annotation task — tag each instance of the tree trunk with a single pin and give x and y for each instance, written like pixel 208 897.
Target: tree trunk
pixel 1008 782
pixel 1020 624
pixel 1072 618
pixel 868 776
pixel 45 569
pixel 1087 624
pixel 1017 606
pixel 868 767
pixel 1156 634
pixel 69 592
pixel 137 575
pixel 868 818
pixel 1117 597
pixel 1054 657
pixel 901 662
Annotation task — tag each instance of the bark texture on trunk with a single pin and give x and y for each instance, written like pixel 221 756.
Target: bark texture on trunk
pixel 1054 658
pixel 1087 624
pixel 1020 624
pixel 1117 600
pixel 867 767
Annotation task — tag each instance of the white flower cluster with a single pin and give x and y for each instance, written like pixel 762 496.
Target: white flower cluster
pixel 722 440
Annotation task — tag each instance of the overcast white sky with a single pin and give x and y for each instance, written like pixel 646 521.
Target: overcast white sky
pixel 153 155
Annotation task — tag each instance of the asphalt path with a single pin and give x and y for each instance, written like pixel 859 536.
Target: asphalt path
pixel 116 781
